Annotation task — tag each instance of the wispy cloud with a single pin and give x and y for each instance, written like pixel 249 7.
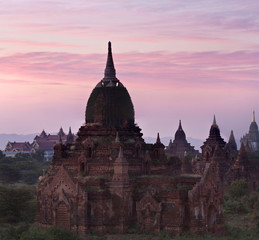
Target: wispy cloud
pixel 157 69
pixel 139 21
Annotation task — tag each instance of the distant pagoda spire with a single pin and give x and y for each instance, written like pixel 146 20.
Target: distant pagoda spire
pixel 61 132
pixel 158 138
pixel 43 134
pixel 110 72
pixel 180 125
pixel 70 137
pixel 214 121
pixel 232 140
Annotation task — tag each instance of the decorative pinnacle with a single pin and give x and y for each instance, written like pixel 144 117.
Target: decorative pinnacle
pixel 158 138
pixel 110 72
pixel 253 116
pixel 214 121
pixel 180 125
pixel 231 137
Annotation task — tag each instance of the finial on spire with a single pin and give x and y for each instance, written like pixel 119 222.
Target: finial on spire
pixel 214 121
pixel 180 125
pixel 253 116
pixel 158 138
pixel 110 72
pixel 109 47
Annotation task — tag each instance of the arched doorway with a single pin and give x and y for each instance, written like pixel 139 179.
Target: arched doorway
pixel 62 216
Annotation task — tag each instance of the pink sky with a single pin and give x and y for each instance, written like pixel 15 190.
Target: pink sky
pixel 181 60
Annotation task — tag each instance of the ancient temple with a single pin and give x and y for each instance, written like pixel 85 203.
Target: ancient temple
pixel 231 146
pixel 251 139
pixel 180 146
pixel 109 179
pixel 212 141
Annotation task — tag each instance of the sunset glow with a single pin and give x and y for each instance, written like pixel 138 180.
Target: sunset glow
pixel 183 60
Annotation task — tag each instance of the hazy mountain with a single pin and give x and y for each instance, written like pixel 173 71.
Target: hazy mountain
pixel 197 143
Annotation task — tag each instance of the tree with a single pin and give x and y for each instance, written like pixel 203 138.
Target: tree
pixel 238 189
pixel 17 204
pixel 9 174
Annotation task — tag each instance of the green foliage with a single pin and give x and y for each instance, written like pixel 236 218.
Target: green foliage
pixel 38 156
pixel 9 174
pixel 53 233
pixel 237 197
pixel 238 189
pixel 17 204
pixel 13 232
pixel 23 168
pixel 238 200
pixel 25 232
pixel 234 206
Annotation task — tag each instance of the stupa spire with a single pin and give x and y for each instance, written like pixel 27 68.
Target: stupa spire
pixel 180 125
pixel 158 138
pixel 110 72
pixel 214 121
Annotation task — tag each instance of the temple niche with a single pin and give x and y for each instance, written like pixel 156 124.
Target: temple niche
pixel 109 178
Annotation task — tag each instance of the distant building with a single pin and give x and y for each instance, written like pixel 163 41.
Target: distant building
pixel 43 142
pixel 180 146
pixel 12 148
pixel 251 139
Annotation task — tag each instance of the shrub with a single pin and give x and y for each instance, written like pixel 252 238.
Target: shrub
pixel 238 189
pixel 17 204
pixel 53 233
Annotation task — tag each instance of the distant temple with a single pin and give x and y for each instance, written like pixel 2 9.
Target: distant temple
pixel 251 139
pixel 43 142
pixel 180 146
pixel 12 148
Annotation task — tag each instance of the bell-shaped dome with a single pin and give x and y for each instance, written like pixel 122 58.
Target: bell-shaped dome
pixel 109 103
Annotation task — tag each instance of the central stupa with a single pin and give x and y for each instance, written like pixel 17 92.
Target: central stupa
pixel 110 104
